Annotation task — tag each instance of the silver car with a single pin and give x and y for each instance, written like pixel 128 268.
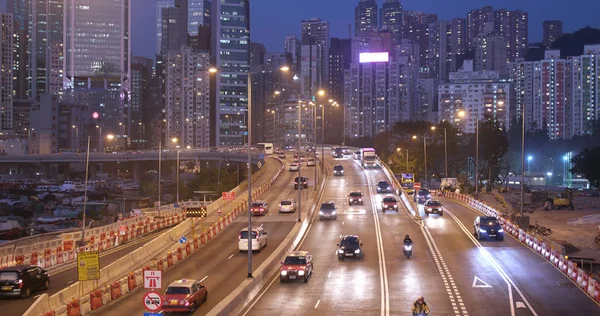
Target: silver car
pixel 287 206
pixel 328 211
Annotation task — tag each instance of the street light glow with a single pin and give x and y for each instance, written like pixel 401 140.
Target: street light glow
pixel 414 137
pixel 461 113
pixel 110 136
pixel 530 158
pixel 277 92
pixel 285 68
pixel 212 70
pixel 321 92
pixel 174 140
pixel 433 128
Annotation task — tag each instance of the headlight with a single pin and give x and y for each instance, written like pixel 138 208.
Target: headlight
pixel 333 213
pixel 389 188
pixel 320 212
pixel 482 230
pixel 360 200
pixel 340 251
pixel 181 302
pixel 395 206
pixel 301 272
pixel 429 196
pixel 284 273
pixel 500 230
pixel 357 251
pixel 407 247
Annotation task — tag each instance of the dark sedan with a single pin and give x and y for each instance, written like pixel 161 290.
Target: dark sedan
pixel 350 246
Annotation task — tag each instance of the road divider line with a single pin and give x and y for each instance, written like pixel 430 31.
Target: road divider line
pixel 486 254
pixel 230 256
pixel 204 278
pixel 317 305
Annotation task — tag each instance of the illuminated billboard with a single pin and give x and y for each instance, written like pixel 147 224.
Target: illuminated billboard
pixel 374 57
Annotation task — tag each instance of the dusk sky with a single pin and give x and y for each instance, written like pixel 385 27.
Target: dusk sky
pixel 273 19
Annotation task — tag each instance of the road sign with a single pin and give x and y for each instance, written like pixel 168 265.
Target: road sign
pixel 152 314
pixel 88 266
pixel 152 279
pixel 152 301
pixel 417 186
pixel 228 196
pixel 182 240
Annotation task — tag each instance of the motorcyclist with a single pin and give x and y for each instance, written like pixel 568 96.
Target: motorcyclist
pixel 407 239
pixel 420 307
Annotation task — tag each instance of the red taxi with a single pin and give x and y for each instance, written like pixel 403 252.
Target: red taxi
pixel 259 208
pixel 298 265
pixel 184 295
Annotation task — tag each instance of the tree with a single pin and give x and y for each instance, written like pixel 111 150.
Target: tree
pixel 586 163
pixel 493 145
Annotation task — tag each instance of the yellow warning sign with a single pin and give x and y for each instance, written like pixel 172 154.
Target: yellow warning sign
pixel 88 266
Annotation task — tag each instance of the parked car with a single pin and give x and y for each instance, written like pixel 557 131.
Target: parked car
pixel 23 280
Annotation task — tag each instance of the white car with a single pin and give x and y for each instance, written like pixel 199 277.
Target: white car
pixel 294 167
pixel 287 206
pixel 311 162
pixel 259 239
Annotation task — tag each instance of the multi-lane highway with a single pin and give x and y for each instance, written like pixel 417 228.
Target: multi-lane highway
pixel 219 264
pixel 456 274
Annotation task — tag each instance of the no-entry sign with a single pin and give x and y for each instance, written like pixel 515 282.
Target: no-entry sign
pixel 152 301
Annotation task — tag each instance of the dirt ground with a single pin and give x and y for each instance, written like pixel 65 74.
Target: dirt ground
pixel 577 228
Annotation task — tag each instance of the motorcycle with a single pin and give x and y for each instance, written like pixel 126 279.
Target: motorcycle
pixel 408 250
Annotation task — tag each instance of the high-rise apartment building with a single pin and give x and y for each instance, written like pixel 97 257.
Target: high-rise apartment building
pixel 194 13
pixel 513 26
pixel 365 18
pixel 230 54
pixel 198 15
pixel 416 28
pixel 427 96
pixel 160 5
pixel 447 47
pixel 552 31
pixel 20 11
pixel 583 110
pixel 292 45
pixel 476 23
pixel 188 98
pixel 257 56
pixel 97 58
pixel 315 49
pixel 6 72
pixel 479 94
pixel 391 18
pixel 141 76
pixel 490 54
pixel 340 54
pixel 174 27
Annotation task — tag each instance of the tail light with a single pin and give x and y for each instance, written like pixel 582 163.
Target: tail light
pixel 20 282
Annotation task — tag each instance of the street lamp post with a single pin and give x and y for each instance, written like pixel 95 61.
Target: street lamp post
pixel 249 123
pixel 76 136
pixel 100 138
pixel 87 168
pixel 159 171
pixel 178 176
pixel 477 158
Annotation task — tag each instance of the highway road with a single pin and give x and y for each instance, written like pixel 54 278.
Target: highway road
pixel 456 274
pixel 219 264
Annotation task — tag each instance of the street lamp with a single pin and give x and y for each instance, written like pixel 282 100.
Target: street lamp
pixel 174 140
pixel 76 136
pixel 110 137
pixel 529 159
pixel 100 137
pixel 399 150
pixel 445 154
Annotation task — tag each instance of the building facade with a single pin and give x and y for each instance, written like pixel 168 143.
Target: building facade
pixel 292 45
pixel 391 18
pixel 6 72
pixel 514 27
pixel 447 47
pixel 490 54
pixel 314 65
pixel 477 20
pixel 365 18
pixel 141 76
pixel 416 28
pixel 552 31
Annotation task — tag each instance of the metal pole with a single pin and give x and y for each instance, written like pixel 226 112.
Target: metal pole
pixel 322 141
pixel 407 161
pixel 523 158
pixel 159 171
pixel 249 175
pixel 315 129
pixel 299 162
pixel 178 177
pixel 425 151
pixel 477 158
pixel 446 155
pixel 344 118
pixel 87 168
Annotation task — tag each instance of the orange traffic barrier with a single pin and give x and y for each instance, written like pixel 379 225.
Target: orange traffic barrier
pixel 47 254
pixel 34 258
pixel 169 259
pixel 582 280
pixel 597 291
pixel 179 254
pixel 188 249
pixel 95 300
pixel 196 243
pixel 131 281
pixel 115 290
pixel 202 239
pixel 159 265
pixel 214 229
pixel 20 259
pixel 59 255
pixel 49 313
pixel 73 308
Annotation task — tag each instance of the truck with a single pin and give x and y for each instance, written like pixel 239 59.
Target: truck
pixel 368 158
pixel 407 180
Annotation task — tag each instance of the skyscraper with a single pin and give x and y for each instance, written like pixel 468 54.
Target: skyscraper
pixel 97 58
pixel 365 17
pixel 583 109
pixel 447 47
pixel 230 54
pixel 20 11
pixel 6 73
pixel 476 23
pixel 174 29
pixel 391 18
pixel 513 26
pixel 161 4
pixel 292 45
pixel 552 31
pixel 340 55
pixel 198 15
pixel 315 49
pixel 416 28
pixel 490 54
pixel 141 75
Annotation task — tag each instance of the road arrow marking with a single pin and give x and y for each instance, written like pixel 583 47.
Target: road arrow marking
pixel 477 282
pixel 520 305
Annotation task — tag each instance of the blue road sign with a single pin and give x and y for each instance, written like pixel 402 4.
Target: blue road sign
pixel 261 156
pixel 152 314
pixel 182 240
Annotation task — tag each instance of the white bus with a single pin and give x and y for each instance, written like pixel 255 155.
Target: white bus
pixel 266 147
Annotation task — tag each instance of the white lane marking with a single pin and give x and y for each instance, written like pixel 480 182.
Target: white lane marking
pixel 477 282
pixel 342 222
pixel 521 305
pixel 230 256
pixel 329 275
pixel 204 278
pixel 486 254
pixel 70 282
pixel 444 273
pixel 317 305
pixel 385 298
pixel 37 296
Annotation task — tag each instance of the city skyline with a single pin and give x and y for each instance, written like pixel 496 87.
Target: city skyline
pixel 340 13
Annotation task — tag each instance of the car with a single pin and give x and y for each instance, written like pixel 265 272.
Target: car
pixel 281 155
pixel 389 203
pixel 298 265
pixel 296 161
pixel 384 187
pixel 294 167
pixel 311 162
pixel 422 196
pixel 328 210
pixel 287 206
pixel 434 207
pixel 487 226
pixel 184 295
pixel 338 170
pixel 355 197
pixel 350 246
pixel 23 280
pixel 259 239
pixel 357 155
pixel 259 208
pixel 303 182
